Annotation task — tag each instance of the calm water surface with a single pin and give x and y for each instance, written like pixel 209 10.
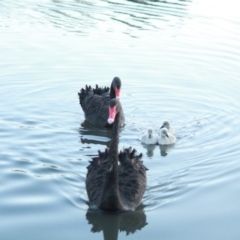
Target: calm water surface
pixel 178 60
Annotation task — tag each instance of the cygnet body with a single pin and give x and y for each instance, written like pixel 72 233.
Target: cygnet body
pixel 149 137
pixel 166 124
pixel 165 137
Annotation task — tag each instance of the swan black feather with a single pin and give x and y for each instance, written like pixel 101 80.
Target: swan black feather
pixel 95 101
pixel 116 181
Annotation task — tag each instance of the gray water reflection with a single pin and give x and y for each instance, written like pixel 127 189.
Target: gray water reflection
pixel 112 16
pixel 90 134
pixel 150 2
pixel 111 223
pixel 164 149
pixel 150 149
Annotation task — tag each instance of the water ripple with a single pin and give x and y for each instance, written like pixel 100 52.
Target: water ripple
pixel 179 60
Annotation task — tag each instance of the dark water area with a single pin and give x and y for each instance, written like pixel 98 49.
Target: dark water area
pixel 178 61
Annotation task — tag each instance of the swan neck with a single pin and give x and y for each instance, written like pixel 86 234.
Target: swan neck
pixel 113 149
pixel 112 92
pixel 110 199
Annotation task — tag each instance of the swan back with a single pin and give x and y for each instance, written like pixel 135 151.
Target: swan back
pixel 95 101
pixel 116 181
pixel 132 178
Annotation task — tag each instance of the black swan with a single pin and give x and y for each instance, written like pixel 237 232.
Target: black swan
pixel 94 102
pixel 116 181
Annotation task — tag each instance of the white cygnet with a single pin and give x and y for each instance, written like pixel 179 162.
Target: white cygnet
pixel 149 137
pixel 166 124
pixel 165 137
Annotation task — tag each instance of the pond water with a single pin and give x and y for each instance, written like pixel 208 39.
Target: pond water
pixel 178 60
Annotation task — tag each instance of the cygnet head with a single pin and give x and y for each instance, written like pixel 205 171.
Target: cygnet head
pixel 166 124
pixel 150 132
pixel 164 133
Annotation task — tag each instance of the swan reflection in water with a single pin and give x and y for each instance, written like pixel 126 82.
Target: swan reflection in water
pixel 90 134
pixel 150 148
pixel 164 149
pixel 112 223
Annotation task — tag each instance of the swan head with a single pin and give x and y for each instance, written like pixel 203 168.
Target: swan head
pixel 113 109
pixel 116 85
pixel 166 124
pixel 164 132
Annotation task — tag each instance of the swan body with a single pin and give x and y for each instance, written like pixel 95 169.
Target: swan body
pixel 166 137
pixel 116 181
pixel 94 102
pixel 149 137
pixel 166 124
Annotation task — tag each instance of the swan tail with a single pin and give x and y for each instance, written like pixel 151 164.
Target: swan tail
pixel 88 90
pixel 94 103
pixel 128 156
pixel 98 161
pixel 84 92
pixel 100 90
pixel 132 177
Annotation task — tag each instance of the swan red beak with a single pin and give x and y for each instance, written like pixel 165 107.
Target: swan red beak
pixel 111 114
pixel 117 92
